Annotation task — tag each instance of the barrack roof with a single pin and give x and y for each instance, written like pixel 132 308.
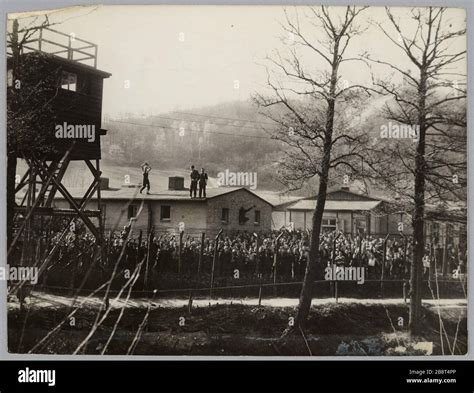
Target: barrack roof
pixel 310 204
pixel 132 193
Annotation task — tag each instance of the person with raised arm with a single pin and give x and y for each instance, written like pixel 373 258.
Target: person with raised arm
pixel 146 181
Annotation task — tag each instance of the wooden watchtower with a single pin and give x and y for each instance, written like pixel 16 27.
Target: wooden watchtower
pixel 73 93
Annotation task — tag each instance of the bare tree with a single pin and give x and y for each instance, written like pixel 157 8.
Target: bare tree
pixel 431 102
pixel 313 111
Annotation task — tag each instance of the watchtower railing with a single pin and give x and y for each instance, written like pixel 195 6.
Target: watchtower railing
pixel 60 44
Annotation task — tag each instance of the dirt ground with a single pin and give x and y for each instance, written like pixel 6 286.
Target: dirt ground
pixel 226 327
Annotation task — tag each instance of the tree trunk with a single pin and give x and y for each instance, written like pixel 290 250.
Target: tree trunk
pixel 416 276
pixel 417 262
pixel 313 263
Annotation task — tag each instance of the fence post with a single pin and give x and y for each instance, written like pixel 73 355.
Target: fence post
pixel 214 258
pixel 140 239
pixel 404 291
pixel 275 264
pixel 445 252
pixel 138 256
pixel 382 276
pixel 405 248
pixel 359 252
pixel 432 273
pixel 180 251
pixel 190 301
pixel 257 269
pixel 333 284
pixel 257 256
pixel 147 260
pixel 201 252
pixel 275 261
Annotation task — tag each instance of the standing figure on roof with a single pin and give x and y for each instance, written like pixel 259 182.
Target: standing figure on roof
pixel 194 182
pixel 146 181
pixel 202 183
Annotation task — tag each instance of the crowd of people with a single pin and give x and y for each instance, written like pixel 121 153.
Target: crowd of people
pixel 277 255
pixel 252 254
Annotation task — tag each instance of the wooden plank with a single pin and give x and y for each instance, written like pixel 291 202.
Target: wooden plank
pixel 80 213
pixel 73 203
pixel 67 35
pixel 55 43
pixel 22 182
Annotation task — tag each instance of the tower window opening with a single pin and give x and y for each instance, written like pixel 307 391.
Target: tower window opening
pixel 68 81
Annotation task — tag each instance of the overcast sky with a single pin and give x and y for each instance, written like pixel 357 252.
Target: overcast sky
pixel 182 57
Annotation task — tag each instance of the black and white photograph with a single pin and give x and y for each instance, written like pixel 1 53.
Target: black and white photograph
pixel 237 180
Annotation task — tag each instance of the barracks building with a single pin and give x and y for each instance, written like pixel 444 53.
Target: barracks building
pixel 172 210
pixel 240 209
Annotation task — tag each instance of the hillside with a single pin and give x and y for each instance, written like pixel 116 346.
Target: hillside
pixel 230 136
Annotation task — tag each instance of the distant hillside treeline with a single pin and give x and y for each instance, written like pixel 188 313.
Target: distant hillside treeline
pixel 229 136
pixel 232 136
